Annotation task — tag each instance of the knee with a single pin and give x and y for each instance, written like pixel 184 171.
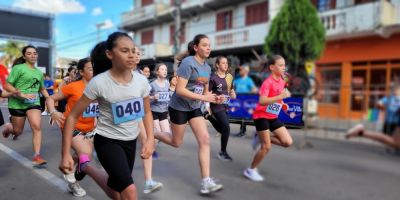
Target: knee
pixel 265 148
pixel 17 131
pixel 204 140
pixel 35 128
pixel 287 143
pixel 177 143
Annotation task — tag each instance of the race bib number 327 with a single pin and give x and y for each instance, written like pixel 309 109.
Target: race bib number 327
pixel 127 110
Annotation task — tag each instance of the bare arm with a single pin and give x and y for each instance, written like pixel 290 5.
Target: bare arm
pixel 182 91
pixel 148 147
pixel 55 115
pixel 67 164
pixel 264 100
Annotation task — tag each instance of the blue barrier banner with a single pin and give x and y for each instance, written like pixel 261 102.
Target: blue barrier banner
pixel 243 106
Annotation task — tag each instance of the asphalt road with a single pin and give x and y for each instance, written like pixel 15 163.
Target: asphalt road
pixel 332 170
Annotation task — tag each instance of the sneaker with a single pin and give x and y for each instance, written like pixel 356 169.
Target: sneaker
pixel 44 113
pixel 79 174
pixel 76 190
pixel 224 156
pixel 7 130
pixel 69 178
pixel 208 186
pixel 253 175
pixel 255 143
pixel 155 155
pixel 152 186
pixel 38 161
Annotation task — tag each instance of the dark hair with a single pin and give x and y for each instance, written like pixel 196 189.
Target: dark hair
pixel 100 62
pixel 21 60
pixel 171 77
pixel 158 67
pixel 218 60
pixel 272 59
pixel 112 39
pixel 144 66
pixel 72 66
pixel 82 62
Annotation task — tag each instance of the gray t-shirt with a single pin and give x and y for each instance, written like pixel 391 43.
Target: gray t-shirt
pixel 197 75
pixel 160 105
pixel 107 91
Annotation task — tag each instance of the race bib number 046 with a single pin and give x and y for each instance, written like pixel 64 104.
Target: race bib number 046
pixel 127 110
pixel 274 108
pixel 92 110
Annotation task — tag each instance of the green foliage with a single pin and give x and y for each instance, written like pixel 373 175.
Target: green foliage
pixel 11 51
pixel 296 33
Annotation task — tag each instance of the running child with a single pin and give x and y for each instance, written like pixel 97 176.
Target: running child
pixel 265 116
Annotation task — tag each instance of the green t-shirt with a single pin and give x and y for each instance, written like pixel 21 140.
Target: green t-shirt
pixel 27 80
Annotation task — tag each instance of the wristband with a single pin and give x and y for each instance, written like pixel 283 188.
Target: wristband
pixel 53 111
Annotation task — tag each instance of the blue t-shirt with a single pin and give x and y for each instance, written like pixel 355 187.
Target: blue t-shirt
pixel 392 105
pixel 49 83
pixel 243 84
pixel 198 76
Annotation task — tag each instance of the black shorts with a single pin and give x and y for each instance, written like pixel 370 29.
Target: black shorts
pixel 117 157
pixel 263 124
pixel 22 112
pixel 160 116
pixel 181 117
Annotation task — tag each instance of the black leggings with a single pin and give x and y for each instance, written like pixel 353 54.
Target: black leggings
pixel 117 158
pixel 220 122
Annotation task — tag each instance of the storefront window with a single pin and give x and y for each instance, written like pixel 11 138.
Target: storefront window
pixel 330 85
pixel 358 89
pixel 377 88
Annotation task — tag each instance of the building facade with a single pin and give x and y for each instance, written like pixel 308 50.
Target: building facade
pixel 360 63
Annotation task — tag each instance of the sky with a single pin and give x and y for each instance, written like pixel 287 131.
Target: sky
pixel 75 31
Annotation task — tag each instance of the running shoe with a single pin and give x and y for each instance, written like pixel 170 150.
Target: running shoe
pixel 224 156
pixel 79 174
pixel 7 130
pixel 253 175
pixel 208 186
pixel 69 178
pixel 76 190
pixel 38 161
pixel 152 186
pixel 155 155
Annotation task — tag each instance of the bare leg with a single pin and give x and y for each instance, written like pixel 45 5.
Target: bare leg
pixel 129 193
pixel 264 149
pixel 392 141
pixel 34 118
pixel 281 137
pixel 200 131
pixel 101 178
pixel 147 163
pixel 15 127
pixel 176 138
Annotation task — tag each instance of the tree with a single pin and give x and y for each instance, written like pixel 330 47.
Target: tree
pixel 12 50
pixel 297 34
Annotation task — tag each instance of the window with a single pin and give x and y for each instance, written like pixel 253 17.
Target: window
pixel 147 2
pixel 377 87
pixel 172 2
pixel 363 1
pixel 358 89
pixel 147 37
pixel 324 5
pixel 330 86
pixel 172 34
pixel 224 20
pixel 257 13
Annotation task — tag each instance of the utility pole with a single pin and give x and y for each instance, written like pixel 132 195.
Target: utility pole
pixel 98 27
pixel 177 34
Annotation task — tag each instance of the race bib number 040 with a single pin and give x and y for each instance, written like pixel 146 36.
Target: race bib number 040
pixel 163 96
pixel 127 110
pixel 274 108
pixel 92 110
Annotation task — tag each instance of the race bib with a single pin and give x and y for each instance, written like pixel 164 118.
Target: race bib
pixel 32 100
pixel 198 89
pixel 92 110
pixel 127 110
pixel 163 96
pixel 227 99
pixel 274 108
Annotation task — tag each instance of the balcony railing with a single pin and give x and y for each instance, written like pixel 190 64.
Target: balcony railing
pixel 359 19
pixel 143 13
pixel 239 37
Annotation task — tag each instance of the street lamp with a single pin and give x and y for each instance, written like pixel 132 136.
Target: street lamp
pixel 98 27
